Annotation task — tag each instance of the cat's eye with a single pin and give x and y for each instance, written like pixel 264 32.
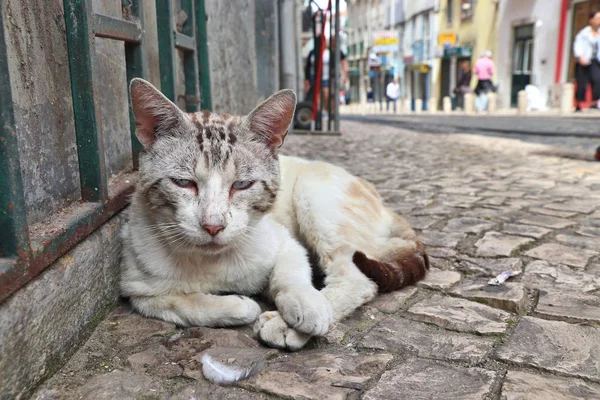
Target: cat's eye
pixel 242 185
pixel 184 183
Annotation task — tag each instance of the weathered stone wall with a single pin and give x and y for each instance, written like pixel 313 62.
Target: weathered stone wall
pixel 232 55
pixel 43 323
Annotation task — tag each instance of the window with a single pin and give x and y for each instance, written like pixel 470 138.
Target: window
pixel 466 9
pixel 518 58
pixel 426 37
pixel 527 56
pixel 450 12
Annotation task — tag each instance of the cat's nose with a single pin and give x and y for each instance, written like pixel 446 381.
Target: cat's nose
pixel 213 229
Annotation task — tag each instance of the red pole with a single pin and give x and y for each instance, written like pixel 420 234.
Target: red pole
pixel 561 39
pixel 319 70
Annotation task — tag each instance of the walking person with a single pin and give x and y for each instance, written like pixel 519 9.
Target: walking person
pixel 463 86
pixel 587 70
pixel 484 70
pixel 392 92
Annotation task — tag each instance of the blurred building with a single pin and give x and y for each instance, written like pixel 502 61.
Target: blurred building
pixel 466 29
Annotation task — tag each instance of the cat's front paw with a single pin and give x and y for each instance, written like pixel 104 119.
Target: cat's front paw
pixel 244 310
pixel 273 331
pixel 306 310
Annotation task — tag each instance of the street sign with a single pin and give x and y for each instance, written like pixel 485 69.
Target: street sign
pixel 385 41
pixel 448 38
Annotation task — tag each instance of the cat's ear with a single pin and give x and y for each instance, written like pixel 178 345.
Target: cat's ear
pixel 154 113
pixel 271 120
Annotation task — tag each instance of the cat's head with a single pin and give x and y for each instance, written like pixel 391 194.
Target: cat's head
pixel 206 179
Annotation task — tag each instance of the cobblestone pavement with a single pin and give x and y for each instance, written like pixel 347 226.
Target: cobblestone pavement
pixel 575 134
pixel 483 206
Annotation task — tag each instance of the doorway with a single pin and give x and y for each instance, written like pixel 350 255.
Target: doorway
pixel 522 61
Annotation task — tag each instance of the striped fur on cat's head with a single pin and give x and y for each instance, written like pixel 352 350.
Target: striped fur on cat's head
pixel 205 178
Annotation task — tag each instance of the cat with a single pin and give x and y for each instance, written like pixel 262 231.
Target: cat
pixel 218 216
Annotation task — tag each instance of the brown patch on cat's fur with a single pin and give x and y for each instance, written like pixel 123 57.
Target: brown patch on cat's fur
pixel 407 267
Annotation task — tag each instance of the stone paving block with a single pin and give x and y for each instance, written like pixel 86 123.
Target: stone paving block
pixel 423 222
pixel 554 346
pixel 471 191
pixel 543 275
pixel 558 253
pixel 350 328
pixel 403 335
pixel 440 279
pixel 441 252
pixel 509 296
pixel 206 390
pixel 492 201
pixel 519 385
pixel 570 306
pixel 589 231
pixel 552 213
pixel 460 315
pixel 468 225
pixel 546 221
pixel 497 244
pixel 488 266
pixel 436 210
pixel 508 193
pixel 119 385
pixel 319 374
pixel 424 379
pixel 526 230
pixel 580 241
pixel 582 206
pixel 391 302
pixel 485 213
pixel 441 239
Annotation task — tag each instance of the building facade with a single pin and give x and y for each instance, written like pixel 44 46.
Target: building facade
pixel 419 50
pixel 529 51
pixel 466 29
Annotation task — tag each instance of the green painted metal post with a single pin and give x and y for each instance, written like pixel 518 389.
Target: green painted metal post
pixel 14 233
pixel 166 48
pixel 204 67
pixel 190 60
pixel 136 64
pixel 88 128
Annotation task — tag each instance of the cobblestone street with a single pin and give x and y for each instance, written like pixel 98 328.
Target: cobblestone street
pixel 482 205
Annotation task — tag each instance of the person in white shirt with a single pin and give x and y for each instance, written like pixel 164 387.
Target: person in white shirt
pixel 392 92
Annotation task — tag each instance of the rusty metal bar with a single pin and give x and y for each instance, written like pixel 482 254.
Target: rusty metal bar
pixel 88 121
pixel 136 64
pixel 46 250
pixel 184 42
pixel 115 28
pixel 14 233
pixel 166 48
pixel 190 59
pixel 202 55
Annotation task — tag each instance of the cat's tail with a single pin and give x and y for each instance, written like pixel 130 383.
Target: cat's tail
pixel 403 260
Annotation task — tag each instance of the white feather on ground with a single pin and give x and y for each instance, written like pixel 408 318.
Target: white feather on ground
pixel 220 373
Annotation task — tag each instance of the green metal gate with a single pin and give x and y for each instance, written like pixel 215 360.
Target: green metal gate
pixel 23 255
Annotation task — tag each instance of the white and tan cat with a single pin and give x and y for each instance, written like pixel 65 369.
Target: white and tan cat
pixel 217 216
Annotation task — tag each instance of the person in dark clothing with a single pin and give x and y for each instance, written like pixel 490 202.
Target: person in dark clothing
pixel 311 69
pixel 463 85
pixel 586 50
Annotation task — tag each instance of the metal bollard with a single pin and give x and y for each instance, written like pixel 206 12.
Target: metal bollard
pixel 418 106
pixel 469 103
pixel 492 102
pixel 432 105
pixel 566 98
pixel 522 102
pixel 447 104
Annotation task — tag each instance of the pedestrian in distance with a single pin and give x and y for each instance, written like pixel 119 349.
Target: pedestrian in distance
pixel 484 70
pixel 587 56
pixel 392 93
pixel 463 86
